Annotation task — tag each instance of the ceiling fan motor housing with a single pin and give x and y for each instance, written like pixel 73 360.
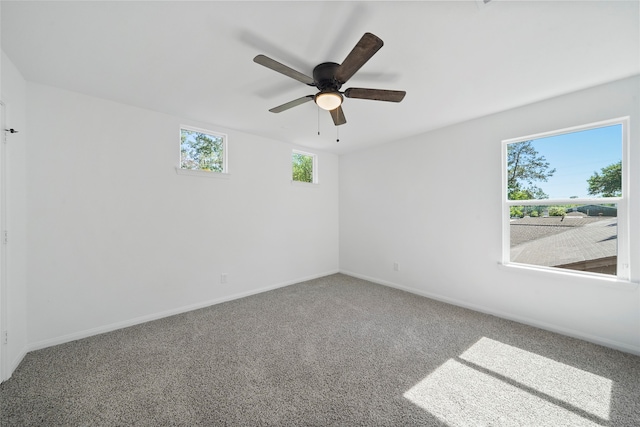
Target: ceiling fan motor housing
pixel 324 77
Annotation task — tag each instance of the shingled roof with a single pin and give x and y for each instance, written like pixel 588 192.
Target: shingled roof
pixel 555 243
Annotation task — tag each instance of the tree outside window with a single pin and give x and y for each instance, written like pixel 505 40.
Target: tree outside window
pixel 303 166
pixel 202 151
pixel 607 183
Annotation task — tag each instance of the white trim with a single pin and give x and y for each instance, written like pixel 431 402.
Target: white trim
pixel 572 129
pixel 16 362
pixel 624 232
pixel 155 316
pixel 305 184
pixel 598 279
pixel 623 245
pixel 506 218
pixel 504 315
pixel 576 201
pixel 5 369
pixel 202 173
pixel 225 146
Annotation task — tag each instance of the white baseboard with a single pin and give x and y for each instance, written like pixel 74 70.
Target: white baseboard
pixel 147 318
pixel 14 364
pixel 509 316
pixel 11 366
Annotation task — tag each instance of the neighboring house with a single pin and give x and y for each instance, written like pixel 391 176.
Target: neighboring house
pixel 572 242
pixel 597 210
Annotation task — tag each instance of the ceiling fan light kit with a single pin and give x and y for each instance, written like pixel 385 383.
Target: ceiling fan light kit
pixel 328 100
pixel 329 77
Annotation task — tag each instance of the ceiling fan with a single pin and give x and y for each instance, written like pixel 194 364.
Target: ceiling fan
pixel 329 77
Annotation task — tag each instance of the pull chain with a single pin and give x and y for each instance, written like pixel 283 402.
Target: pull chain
pixel 337 134
pixel 318 121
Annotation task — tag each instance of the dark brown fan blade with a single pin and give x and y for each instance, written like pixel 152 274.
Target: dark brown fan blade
pixel 375 94
pixel 291 104
pixel 338 116
pixel 283 69
pixel 368 45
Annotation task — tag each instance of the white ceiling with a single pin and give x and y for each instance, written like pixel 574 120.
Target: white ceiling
pixel 457 60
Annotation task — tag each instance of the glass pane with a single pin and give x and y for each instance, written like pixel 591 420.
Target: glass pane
pixel 201 151
pixel 580 164
pixel 575 237
pixel 302 167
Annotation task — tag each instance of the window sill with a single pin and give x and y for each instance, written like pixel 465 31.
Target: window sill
pixel 305 184
pixel 201 173
pixel 595 278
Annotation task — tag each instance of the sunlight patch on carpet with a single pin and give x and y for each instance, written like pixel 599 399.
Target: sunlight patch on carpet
pixel 497 384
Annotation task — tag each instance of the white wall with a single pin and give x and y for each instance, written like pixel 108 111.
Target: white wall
pixel 13 95
pixel 433 204
pixel 115 236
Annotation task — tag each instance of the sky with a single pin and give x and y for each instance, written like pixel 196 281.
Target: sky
pixel 576 156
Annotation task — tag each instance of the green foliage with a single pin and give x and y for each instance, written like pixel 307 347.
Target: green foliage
pixel 524 168
pixel 534 214
pixel 557 211
pixel 199 151
pixel 520 195
pixel 515 212
pixel 302 167
pixel 608 183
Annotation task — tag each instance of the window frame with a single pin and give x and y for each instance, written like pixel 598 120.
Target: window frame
pixel 623 232
pixel 314 165
pixel 200 172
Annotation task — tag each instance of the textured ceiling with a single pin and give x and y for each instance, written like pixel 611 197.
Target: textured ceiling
pixel 457 60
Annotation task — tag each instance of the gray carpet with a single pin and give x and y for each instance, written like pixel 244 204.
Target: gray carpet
pixel 331 351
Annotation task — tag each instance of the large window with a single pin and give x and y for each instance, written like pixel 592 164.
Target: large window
pixel 202 150
pixel 304 167
pixel 565 199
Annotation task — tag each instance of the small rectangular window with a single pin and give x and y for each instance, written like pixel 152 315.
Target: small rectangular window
pixel 202 150
pixel 304 167
pixel 565 200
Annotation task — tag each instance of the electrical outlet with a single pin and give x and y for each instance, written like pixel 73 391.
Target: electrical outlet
pixel 396 266
pixel 5 337
pixel 223 278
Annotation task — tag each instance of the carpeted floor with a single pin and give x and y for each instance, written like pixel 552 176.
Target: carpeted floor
pixel 331 351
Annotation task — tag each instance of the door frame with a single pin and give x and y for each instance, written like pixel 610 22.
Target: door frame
pixel 4 363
